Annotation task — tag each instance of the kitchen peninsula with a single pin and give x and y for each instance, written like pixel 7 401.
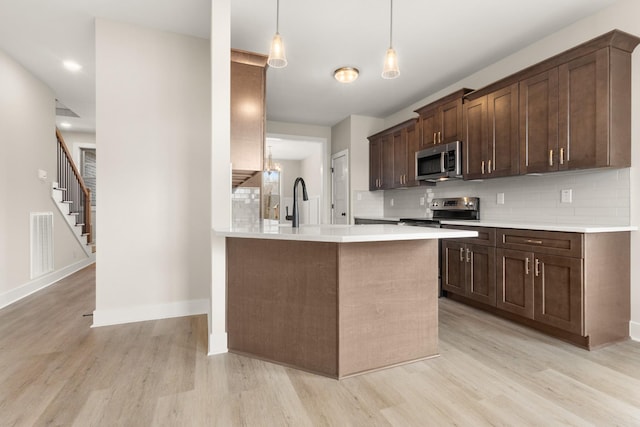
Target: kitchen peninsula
pixel 337 300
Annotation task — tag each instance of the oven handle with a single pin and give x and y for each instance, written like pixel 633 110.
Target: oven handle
pixel 442 163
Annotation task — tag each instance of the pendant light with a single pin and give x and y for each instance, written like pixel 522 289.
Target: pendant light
pixel 277 58
pixel 390 69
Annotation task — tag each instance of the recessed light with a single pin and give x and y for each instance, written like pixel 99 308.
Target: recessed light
pixel 65 125
pixel 72 66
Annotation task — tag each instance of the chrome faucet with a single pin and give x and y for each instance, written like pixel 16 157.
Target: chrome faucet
pixel 295 214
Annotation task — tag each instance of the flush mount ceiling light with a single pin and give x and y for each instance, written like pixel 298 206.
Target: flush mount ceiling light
pixel 390 70
pixel 65 125
pixel 277 57
pixel 346 74
pixel 72 66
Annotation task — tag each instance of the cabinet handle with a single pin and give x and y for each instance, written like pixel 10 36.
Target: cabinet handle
pixel 537 267
pixel 461 254
pixel 439 137
pixel 535 242
pixel 526 266
pixel 468 255
pixel 489 167
pixel 482 166
pixel 562 156
pixel 434 138
pixel 550 157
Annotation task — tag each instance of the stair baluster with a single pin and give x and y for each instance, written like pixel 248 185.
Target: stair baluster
pixel 76 192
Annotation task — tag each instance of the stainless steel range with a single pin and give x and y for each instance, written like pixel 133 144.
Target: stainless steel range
pixel 453 208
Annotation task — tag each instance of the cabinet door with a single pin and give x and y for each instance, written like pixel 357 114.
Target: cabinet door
pixel 539 123
pixel 515 282
pixel 387 162
pixel 247 125
pixel 475 138
pixel 449 124
pixel 584 109
pixel 400 152
pixel 453 267
pixel 558 292
pixel 428 132
pixel 502 147
pixel 413 144
pixel 375 164
pixel 481 273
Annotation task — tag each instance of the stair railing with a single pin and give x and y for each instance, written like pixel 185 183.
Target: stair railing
pixel 76 192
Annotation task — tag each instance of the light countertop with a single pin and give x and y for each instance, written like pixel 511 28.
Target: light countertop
pixel 569 228
pixel 342 233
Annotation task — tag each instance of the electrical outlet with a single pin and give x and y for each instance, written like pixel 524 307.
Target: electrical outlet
pixel 421 201
pixel 566 196
pixel 391 202
pixel 500 199
pixel 42 175
pixel 359 196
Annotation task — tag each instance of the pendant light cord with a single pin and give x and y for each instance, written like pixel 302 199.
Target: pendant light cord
pixel 278 16
pixel 390 25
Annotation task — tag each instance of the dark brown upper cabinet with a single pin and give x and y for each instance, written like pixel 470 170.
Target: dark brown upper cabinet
pixel 574 110
pixel 490 135
pixel 392 157
pixel 594 127
pixel 441 121
pixel 539 122
pixel 380 162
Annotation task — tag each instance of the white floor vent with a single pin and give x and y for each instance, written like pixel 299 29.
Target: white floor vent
pixel 41 243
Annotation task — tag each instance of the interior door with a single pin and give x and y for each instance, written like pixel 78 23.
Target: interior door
pixel 340 188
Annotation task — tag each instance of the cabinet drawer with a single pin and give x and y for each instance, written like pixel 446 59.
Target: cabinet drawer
pixel 486 235
pixel 545 242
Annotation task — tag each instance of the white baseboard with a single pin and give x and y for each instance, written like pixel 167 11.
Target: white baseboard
pixel 634 330
pixel 218 343
pixel 143 313
pixel 40 283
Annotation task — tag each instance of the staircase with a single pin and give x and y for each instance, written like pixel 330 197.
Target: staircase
pixel 72 197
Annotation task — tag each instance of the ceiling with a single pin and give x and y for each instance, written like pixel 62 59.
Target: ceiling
pixel 438 43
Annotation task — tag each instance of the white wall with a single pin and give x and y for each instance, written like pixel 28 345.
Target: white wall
pixel 153 105
pixel 27 121
pixel 312 170
pixel 290 170
pixel 352 134
pixel 624 16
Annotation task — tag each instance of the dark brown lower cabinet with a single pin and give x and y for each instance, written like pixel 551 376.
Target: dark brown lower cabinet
pixel 573 286
pixel 515 282
pixel 546 288
pixel 469 270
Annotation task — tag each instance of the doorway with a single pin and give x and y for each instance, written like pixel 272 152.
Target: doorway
pixel 340 188
pixel 291 157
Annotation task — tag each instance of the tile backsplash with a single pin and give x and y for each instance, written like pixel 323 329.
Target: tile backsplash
pixel 368 203
pixel 599 197
pixel 245 206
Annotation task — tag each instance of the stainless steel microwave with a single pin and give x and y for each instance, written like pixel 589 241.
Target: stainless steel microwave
pixel 439 162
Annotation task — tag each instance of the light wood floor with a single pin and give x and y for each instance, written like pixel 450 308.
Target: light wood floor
pixel 55 370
